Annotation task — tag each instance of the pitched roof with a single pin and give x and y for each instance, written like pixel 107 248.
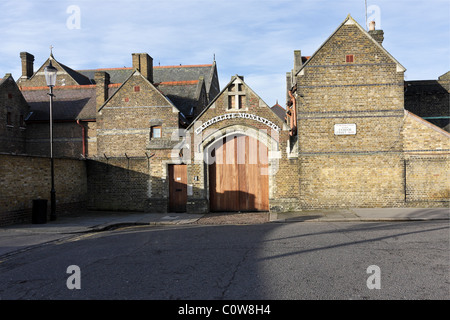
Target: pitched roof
pixel 350 21
pixel 180 84
pixel 77 76
pixel 233 78
pixel 160 73
pixel 279 111
pixel 116 75
pixel 183 73
pixel 70 103
pixel 137 73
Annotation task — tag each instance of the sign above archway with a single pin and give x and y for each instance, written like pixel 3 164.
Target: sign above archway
pixel 235 115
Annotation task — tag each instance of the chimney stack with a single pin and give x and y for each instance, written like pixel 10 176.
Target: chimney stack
pixel 27 65
pixel 144 64
pixel 378 35
pixel 297 60
pixel 101 91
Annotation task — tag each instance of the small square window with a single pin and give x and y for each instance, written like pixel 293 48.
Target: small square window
pixel 137 88
pixel 349 58
pixel 155 132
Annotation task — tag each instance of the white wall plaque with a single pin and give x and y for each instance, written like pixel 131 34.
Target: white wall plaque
pixel 344 129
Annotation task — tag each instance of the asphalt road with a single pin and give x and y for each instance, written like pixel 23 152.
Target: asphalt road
pixel 276 261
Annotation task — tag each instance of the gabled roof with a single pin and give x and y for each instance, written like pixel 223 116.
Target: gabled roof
pixel 137 73
pixel 184 94
pixel 75 75
pixel 350 21
pixel 279 111
pixel 160 73
pixel 233 78
pixel 180 85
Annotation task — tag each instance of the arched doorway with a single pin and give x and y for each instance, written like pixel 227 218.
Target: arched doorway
pixel 238 174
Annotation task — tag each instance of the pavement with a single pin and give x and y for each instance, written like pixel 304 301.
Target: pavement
pixel 21 237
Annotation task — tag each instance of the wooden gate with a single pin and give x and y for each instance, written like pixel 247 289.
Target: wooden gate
pixel 177 187
pixel 239 179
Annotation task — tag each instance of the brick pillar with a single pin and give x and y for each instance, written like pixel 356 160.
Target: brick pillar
pixel 144 64
pixel 27 64
pixel 102 81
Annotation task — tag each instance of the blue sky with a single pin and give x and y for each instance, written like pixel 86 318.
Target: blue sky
pixel 253 38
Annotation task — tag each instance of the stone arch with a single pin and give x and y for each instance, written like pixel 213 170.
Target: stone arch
pixel 211 136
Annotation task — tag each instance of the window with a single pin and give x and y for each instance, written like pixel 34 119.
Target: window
pixel 236 95
pixel 155 132
pixel 231 102
pixel 241 102
pixel 21 121
pixel 8 119
pixel 137 88
pixel 349 58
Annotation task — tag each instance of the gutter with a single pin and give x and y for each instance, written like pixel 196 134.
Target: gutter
pixel 292 114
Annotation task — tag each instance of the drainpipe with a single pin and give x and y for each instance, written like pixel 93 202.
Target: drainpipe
pixel 83 133
pixel 293 114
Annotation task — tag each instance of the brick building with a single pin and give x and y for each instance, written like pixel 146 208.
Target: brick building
pixel 429 99
pixel 14 110
pixel 354 138
pixel 168 139
pixel 79 94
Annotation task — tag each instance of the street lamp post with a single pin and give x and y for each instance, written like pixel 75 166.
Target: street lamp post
pixel 50 78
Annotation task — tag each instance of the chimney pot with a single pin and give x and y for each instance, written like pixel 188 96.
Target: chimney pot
pixel 378 35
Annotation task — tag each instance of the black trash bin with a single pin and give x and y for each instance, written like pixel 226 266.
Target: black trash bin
pixel 39 213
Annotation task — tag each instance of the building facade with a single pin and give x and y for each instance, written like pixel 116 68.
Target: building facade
pixel 168 139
